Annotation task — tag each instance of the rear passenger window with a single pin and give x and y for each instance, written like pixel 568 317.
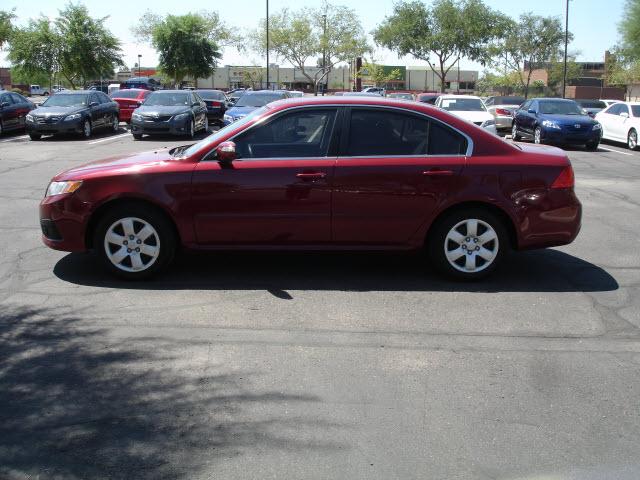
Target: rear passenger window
pixel 381 132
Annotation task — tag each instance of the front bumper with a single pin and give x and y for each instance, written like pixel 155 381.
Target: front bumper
pixel 63 221
pixel 159 127
pixel 61 126
pixel 564 137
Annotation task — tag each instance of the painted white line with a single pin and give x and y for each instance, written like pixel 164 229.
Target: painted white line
pixel 615 151
pixel 110 138
pixel 13 139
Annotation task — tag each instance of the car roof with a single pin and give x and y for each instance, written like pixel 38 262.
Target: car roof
pixel 445 97
pixel 78 92
pixel 554 99
pixel 171 91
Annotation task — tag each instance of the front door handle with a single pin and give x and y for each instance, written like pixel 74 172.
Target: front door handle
pixel 437 172
pixel 311 176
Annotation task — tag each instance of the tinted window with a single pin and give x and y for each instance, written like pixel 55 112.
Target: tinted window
pixel 18 98
pixel 103 98
pixel 623 109
pixel 125 94
pixel 508 100
pixel 445 141
pixel 196 98
pixel 257 99
pixel 560 108
pixel 525 106
pixel 211 95
pixel 167 99
pixel 299 134
pixel 636 110
pixel 463 104
pixel 591 104
pixel 614 109
pixel 5 99
pixel 65 100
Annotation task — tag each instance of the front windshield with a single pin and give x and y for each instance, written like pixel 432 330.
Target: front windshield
pixel 560 108
pixel 167 99
pixel 216 136
pixel 257 99
pixel 210 94
pixel 463 105
pixel 66 100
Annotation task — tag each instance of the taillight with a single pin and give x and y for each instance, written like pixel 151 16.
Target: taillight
pixel 213 103
pixel 502 111
pixel 565 179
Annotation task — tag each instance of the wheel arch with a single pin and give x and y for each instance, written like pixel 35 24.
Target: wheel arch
pixel 507 221
pixel 99 212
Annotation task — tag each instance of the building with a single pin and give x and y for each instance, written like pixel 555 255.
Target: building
pixel 5 78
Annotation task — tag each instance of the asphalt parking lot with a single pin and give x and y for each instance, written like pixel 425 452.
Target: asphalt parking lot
pixel 319 366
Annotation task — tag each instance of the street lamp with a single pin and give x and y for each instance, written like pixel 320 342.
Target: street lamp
pixel 566 42
pixel 324 50
pixel 139 65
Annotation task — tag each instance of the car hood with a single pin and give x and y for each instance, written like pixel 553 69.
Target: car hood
pixel 134 163
pixel 240 111
pixel 56 111
pixel 472 116
pixel 569 119
pixel 162 110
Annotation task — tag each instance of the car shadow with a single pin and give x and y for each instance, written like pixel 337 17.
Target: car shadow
pixel 198 136
pixel 97 135
pixel 534 271
pixel 78 404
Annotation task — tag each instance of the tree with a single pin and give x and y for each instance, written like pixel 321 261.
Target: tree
pixel 630 29
pixel 34 51
pixel 330 33
pixel 379 74
pixel 184 44
pixel 6 26
pixel 555 72
pixel 623 71
pixel 528 45
pixel 505 83
pixel 253 76
pixel 448 30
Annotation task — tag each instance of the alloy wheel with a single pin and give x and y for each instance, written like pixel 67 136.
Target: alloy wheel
pixel 471 245
pixel 116 123
pixel 132 244
pixel 632 140
pixel 514 132
pixel 192 130
pixel 537 136
pixel 86 129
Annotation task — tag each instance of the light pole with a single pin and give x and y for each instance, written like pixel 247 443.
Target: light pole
pixel 566 42
pixel 267 28
pixel 324 50
pixel 139 65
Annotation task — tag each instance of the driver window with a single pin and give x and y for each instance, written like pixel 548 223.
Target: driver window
pixel 300 134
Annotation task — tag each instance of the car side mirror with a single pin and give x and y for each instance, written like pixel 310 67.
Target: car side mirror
pixel 93 104
pixel 624 115
pixel 531 110
pixel 226 152
pixel 4 104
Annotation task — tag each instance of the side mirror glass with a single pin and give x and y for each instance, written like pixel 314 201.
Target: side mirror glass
pixel 226 152
pixel 4 104
pixel 531 110
pixel 93 104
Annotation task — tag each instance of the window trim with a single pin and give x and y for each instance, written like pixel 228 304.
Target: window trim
pixel 347 124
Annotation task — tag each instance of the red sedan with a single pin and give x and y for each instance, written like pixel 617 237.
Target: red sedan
pixel 129 99
pixel 326 173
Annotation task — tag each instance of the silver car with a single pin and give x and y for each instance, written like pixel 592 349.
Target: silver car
pixel 502 109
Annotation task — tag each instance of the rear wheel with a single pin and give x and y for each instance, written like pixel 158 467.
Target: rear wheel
pixel 134 241
pixel 537 135
pixel 632 139
pixel 35 136
pixel 115 123
pixel 86 128
pixel 191 132
pixel 514 132
pixel 468 244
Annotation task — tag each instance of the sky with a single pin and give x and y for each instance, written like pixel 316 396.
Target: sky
pixel 593 22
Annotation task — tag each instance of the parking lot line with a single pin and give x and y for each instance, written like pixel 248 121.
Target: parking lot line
pixel 21 137
pixel 109 138
pixel 616 151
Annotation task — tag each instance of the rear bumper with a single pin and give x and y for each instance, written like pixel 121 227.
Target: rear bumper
pixel 63 220
pixel 503 122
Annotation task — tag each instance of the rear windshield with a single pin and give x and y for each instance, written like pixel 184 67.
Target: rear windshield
pixel 167 99
pixel 560 108
pixel 257 99
pixel 210 94
pixel 592 104
pixel 125 94
pixel 463 105
pixel 508 100
pixel 66 100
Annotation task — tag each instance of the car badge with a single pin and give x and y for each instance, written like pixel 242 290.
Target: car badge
pixel 577 125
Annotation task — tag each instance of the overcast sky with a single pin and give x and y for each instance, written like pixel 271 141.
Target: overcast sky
pixel 593 22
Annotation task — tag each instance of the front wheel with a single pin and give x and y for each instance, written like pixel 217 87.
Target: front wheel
pixel 86 128
pixel 632 139
pixel 137 136
pixel 191 132
pixel 592 146
pixel 537 135
pixel 468 244
pixel 514 132
pixel 35 136
pixel 134 241
pixel 115 123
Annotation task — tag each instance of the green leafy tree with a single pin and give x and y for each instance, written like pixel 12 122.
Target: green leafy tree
pixel 555 73
pixel 527 45
pixel 34 52
pixel 623 71
pixel 6 26
pixel 184 44
pixel 448 30
pixel 630 29
pixel 307 36
pixel 378 74
pixel 503 83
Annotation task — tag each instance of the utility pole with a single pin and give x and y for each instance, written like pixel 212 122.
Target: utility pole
pixel 139 66
pixel 324 50
pixel 267 26
pixel 566 42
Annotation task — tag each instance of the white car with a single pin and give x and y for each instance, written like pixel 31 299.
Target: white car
pixel 38 90
pixel 469 108
pixel 610 102
pixel 621 123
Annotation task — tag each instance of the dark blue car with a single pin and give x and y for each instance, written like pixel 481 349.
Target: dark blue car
pixel 556 121
pixel 251 101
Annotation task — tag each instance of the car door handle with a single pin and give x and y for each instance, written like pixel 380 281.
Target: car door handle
pixel 437 172
pixel 311 176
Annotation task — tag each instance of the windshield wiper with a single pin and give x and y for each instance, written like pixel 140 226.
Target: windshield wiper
pixel 176 152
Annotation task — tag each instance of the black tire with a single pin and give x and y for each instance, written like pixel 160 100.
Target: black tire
pixel 514 132
pixel 35 136
pixel 437 237
pixel 153 217
pixel 137 136
pixel 115 124
pixel 592 146
pixel 192 129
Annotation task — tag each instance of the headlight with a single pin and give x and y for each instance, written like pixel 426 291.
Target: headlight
pixel 597 126
pixel 227 118
pixel 488 123
pixel 29 118
pixel 73 116
pixel 181 116
pixel 58 188
pixel 136 116
pixel 550 124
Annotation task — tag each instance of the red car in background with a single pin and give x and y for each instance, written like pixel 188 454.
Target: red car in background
pixel 324 173
pixel 129 99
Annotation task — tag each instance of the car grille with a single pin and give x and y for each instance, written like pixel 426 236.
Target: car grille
pixel 47 119
pixel 160 118
pixel 583 129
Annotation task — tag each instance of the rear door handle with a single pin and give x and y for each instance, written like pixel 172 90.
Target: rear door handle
pixel 311 176
pixel 436 172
